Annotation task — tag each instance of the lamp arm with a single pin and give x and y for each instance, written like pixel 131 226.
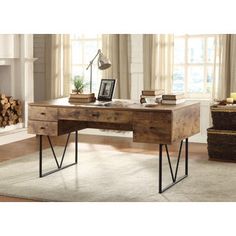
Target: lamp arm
pixel 91 62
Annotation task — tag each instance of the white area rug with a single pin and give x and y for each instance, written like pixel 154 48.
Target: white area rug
pixel 112 176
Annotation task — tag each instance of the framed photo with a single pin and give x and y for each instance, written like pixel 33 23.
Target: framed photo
pixel 106 89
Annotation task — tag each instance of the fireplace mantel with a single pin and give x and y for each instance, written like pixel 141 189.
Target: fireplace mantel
pixel 16 70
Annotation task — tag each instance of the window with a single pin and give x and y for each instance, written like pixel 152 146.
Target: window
pixel 194 63
pixel 84 48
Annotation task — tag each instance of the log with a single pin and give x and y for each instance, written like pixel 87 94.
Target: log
pixel 6 106
pixel 2 96
pixel 18 102
pixel 4 123
pixel 14 103
pixel 3 112
pixel 10 110
pixel 11 122
pixel 10 99
pixel 18 110
pixel 4 101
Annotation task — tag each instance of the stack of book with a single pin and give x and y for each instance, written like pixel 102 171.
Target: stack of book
pixel 148 95
pixel 173 99
pixel 82 97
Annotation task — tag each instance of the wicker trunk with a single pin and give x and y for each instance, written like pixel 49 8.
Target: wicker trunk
pixel 223 118
pixel 221 145
pixel 221 138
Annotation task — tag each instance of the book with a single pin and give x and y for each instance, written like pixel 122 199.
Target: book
pixel 82 95
pixel 173 96
pixel 152 92
pixel 150 96
pixel 173 102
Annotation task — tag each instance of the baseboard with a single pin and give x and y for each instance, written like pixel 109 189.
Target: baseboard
pixel 15 135
pixel 11 128
pixel 198 139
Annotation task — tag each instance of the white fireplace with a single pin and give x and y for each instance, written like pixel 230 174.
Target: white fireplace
pixel 16 73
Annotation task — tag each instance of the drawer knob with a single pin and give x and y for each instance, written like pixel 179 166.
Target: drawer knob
pixel 43 113
pixel 95 114
pixel 42 127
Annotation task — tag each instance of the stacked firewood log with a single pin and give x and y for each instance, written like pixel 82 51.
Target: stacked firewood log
pixel 10 111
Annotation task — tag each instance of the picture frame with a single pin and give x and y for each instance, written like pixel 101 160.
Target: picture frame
pixel 106 89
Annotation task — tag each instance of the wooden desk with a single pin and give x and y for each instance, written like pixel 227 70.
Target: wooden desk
pixel 162 124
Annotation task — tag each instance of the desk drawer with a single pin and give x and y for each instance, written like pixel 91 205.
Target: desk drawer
pixel 43 128
pixel 152 127
pixel 42 113
pixel 97 115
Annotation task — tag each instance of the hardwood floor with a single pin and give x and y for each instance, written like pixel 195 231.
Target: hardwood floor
pixel 24 147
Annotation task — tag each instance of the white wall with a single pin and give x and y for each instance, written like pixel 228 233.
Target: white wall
pixel 9 46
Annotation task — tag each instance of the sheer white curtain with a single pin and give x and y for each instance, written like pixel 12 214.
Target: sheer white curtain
pixel 158 61
pixel 117 48
pixel 58 65
pixel 232 79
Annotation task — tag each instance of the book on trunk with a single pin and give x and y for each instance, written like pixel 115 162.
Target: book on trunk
pixel 173 96
pixel 152 92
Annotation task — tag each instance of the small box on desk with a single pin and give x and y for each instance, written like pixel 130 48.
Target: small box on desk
pixel 221 145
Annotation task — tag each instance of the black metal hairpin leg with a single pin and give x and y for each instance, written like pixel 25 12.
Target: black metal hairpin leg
pixel 173 175
pixel 59 165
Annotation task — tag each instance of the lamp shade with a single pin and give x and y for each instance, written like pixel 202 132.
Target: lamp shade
pixel 103 62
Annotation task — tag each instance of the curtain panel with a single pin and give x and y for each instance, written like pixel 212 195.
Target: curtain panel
pixel 220 86
pixel 117 48
pixel 232 77
pixel 158 61
pixel 58 65
pixel 225 76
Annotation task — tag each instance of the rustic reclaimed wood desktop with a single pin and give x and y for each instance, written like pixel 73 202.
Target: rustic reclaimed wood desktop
pixel 161 124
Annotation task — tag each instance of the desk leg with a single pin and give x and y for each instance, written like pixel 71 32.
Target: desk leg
pixel 40 155
pixel 173 176
pixel 76 146
pixel 59 164
pixel 160 168
pixel 186 156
